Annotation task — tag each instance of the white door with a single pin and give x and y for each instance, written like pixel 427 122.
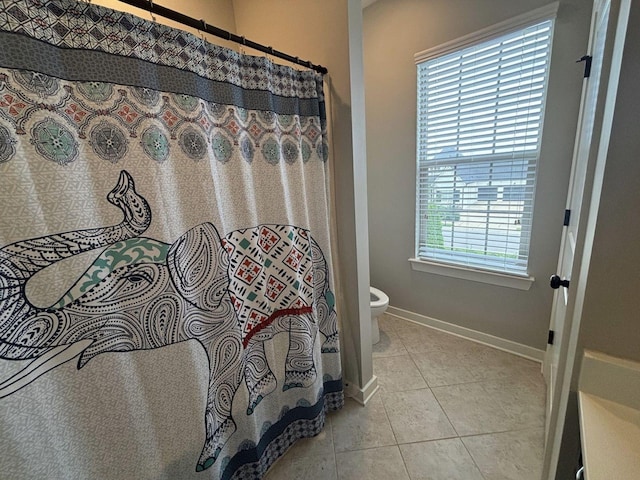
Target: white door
pixel 585 150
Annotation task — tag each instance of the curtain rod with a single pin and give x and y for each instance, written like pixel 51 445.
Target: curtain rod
pixel 152 7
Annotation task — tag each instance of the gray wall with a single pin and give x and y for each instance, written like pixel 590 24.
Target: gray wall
pixel 394 30
pixel 214 12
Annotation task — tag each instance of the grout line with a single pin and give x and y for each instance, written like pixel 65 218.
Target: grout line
pixel 411 355
pixel 451 437
pixel 333 442
pixel 472 458
pixel 414 363
pixel 459 437
pixel 462 383
pixel 368 448
pixel 386 414
pixel 431 390
pixel 333 450
pixel 500 432
pixel 445 413
pixel 419 371
pixel 404 463
pixel 393 431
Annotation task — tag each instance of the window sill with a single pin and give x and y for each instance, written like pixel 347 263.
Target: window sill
pixel 483 276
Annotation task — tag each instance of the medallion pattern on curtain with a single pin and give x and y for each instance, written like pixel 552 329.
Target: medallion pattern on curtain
pixel 163 219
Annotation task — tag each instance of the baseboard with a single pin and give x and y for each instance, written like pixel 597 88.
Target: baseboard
pixel 469 334
pixel 364 394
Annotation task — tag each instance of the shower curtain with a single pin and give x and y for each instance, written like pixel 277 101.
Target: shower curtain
pixel 166 302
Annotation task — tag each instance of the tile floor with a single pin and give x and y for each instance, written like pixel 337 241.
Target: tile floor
pixel 447 408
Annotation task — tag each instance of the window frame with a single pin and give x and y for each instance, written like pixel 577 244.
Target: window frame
pixel 477 273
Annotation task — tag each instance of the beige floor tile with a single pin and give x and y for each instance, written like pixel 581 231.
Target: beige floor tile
pixel 419 338
pixel 416 416
pixel 373 464
pixel 446 367
pixel 533 372
pixel 389 345
pixel 396 374
pixel 388 323
pixel 492 406
pixel 514 455
pixel 493 364
pixel 356 427
pixel 523 402
pixel 471 409
pixel 472 363
pixel 321 444
pixel 476 389
pixel 317 467
pixel 439 460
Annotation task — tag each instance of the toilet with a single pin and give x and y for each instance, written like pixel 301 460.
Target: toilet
pixel 379 304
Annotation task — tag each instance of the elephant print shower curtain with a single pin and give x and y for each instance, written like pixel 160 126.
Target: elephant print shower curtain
pixel 166 302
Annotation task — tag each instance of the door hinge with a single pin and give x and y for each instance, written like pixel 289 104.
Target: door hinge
pixel 550 337
pixel 587 59
pixel 567 217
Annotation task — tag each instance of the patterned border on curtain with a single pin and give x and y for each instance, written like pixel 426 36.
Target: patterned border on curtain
pixel 160 197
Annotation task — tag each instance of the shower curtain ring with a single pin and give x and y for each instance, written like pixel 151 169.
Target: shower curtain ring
pixel 203 30
pixel 153 17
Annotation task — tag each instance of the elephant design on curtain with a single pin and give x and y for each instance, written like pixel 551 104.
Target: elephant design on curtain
pixel 231 294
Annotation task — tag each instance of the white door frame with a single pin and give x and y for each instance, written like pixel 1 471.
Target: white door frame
pixel 570 342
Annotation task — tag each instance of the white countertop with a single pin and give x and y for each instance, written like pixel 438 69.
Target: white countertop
pixel 610 417
pixel 610 439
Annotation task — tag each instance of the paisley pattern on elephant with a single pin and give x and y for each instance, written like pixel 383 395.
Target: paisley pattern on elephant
pixel 229 293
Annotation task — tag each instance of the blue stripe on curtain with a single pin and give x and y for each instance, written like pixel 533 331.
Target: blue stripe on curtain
pixel 26 53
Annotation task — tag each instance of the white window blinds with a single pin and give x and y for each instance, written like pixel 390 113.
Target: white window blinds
pixel 480 113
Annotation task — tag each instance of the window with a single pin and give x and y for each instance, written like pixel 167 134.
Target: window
pixel 480 111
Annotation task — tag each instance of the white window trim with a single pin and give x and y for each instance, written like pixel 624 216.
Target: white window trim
pixel 519 282
pixel 548 12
